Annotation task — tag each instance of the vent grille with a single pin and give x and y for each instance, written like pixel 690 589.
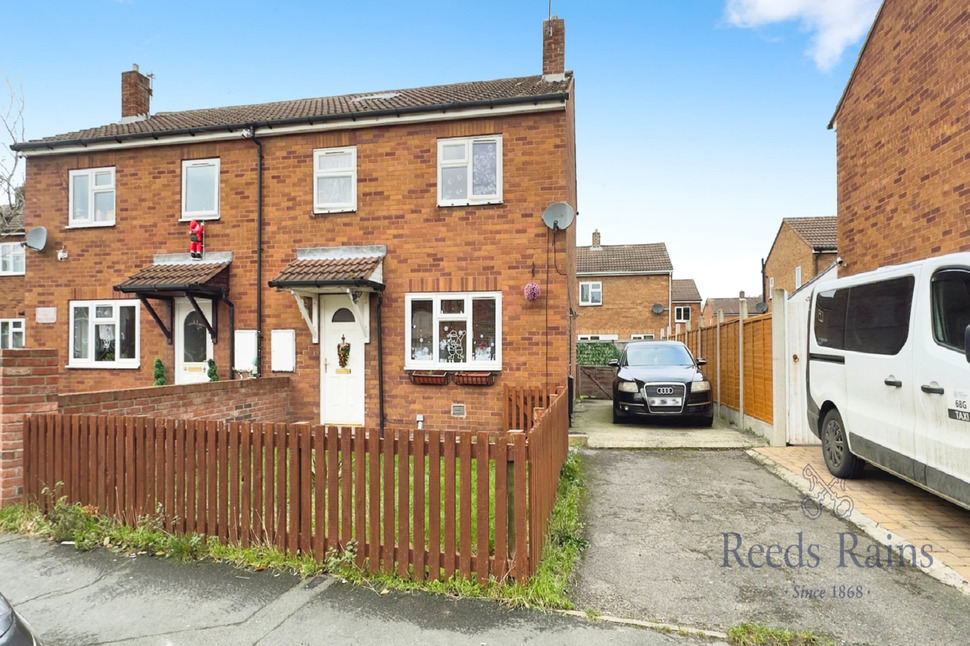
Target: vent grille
pixel 458 410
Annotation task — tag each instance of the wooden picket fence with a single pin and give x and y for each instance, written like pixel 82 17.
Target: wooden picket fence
pixel 423 504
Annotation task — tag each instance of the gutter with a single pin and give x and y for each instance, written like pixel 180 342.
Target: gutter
pixel 357 282
pixel 310 121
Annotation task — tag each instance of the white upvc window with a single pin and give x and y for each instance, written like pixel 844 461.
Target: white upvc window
pixel 681 313
pixel 92 197
pixel 591 293
pixel 798 277
pixel 453 331
pixel 599 337
pixel 200 189
pixel 104 334
pixel 641 337
pixel 335 180
pixel 12 258
pixel 470 171
pixel 11 333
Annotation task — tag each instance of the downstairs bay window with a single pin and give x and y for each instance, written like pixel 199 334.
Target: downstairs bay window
pixel 453 331
pixel 104 334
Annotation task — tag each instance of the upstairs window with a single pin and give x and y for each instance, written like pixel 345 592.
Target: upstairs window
pixel 200 189
pixel 470 171
pixel 335 180
pixel 11 333
pixel 591 293
pixel 92 198
pixel 12 256
pixel 681 313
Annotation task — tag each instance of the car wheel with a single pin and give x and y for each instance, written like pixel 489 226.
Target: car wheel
pixel 835 448
pixel 706 422
pixel 616 418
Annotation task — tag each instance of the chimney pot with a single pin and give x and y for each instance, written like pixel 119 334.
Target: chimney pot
pixel 136 94
pixel 553 47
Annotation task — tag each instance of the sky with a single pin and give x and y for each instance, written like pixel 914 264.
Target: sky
pixel 699 123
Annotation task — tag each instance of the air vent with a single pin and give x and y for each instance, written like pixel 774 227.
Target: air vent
pixel 458 410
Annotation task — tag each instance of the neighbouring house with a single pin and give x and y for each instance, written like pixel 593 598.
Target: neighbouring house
pixel 356 243
pixel 685 300
pixel 803 247
pixel 13 263
pixel 902 138
pixel 624 291
pixel 730 306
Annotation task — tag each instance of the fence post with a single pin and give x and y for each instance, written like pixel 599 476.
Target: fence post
pixel 742 314
pixel 779 367
pixel 510 497
pixel 718 321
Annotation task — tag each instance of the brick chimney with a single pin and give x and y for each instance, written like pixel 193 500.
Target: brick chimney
pixel 553 48
pixel 136 93
pixel 596 239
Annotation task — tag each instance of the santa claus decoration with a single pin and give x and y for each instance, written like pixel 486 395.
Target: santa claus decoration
pixel 196 235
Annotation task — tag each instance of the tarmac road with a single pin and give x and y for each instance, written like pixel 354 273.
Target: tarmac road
pixel 76 599
pixel 685 536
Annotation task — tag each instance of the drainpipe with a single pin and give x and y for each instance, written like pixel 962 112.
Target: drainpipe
pixel 250 133
pixel 380 360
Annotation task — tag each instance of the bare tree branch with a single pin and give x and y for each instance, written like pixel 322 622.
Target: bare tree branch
pixel 11 169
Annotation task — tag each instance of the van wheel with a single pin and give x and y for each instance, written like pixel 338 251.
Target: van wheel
pixel 835 448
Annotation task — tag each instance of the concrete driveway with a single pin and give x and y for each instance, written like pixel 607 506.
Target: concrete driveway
pixel 593 426
pixel 711 539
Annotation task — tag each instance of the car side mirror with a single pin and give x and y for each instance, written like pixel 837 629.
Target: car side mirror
pixel 702 362
pixel 966 343
pixel 615 363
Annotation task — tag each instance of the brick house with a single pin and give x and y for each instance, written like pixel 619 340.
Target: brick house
pixel 802 248
pixel 354 243
pixel 624 291
pixel 902 138
pixel 13 260
pixel 685 300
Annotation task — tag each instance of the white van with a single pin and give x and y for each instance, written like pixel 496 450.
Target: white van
pixel 889 373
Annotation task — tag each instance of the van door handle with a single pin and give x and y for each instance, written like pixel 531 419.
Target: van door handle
pixel 933 390
pixel 895 383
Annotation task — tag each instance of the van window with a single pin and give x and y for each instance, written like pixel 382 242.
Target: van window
pixel 951 307
pixel 830 318
pixel 877 319
pixel 872 318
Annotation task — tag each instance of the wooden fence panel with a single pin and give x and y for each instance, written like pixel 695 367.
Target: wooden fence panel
pixel 758 394
pixel 730 365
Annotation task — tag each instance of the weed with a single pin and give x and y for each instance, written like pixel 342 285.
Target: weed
pixel 749 634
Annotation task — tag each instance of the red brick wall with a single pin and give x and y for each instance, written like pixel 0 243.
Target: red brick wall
pixel 28 384
pixel 789 251
pixel 241 400
pixel 626 306
pixel 903 135
pixel 496 246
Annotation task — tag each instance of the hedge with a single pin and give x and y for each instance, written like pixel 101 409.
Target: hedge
pixel 596 353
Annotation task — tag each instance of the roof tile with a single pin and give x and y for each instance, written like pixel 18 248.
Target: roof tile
pixel 624 258
pixel 684 291
pixel 820 233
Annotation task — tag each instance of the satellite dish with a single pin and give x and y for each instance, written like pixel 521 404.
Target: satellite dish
pixel 36 238
pixel 657 308
pixel 558 216
pixel 761 307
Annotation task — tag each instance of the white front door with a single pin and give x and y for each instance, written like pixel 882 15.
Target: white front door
pixel 342 341
pixel 193 343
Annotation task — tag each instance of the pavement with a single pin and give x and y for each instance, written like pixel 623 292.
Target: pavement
pixel 593 427
pixel 74 598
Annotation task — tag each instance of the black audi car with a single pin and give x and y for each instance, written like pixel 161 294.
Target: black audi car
pixel 657 379
pixel 14 631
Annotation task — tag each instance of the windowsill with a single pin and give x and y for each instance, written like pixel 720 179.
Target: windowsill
pixel 93 225
pixel 349 209
pixel 452 367
pixel 197 218
pixel 10 274
pixel 103 366
pixel 471 203
pixel 590 304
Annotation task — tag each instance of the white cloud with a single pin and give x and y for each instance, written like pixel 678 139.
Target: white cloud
pixel 835 24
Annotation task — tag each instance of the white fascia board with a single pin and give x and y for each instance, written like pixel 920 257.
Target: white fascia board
pixel 267 131
pixel 622 273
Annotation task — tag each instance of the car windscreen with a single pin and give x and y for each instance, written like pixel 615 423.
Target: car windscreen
pixel 661 355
